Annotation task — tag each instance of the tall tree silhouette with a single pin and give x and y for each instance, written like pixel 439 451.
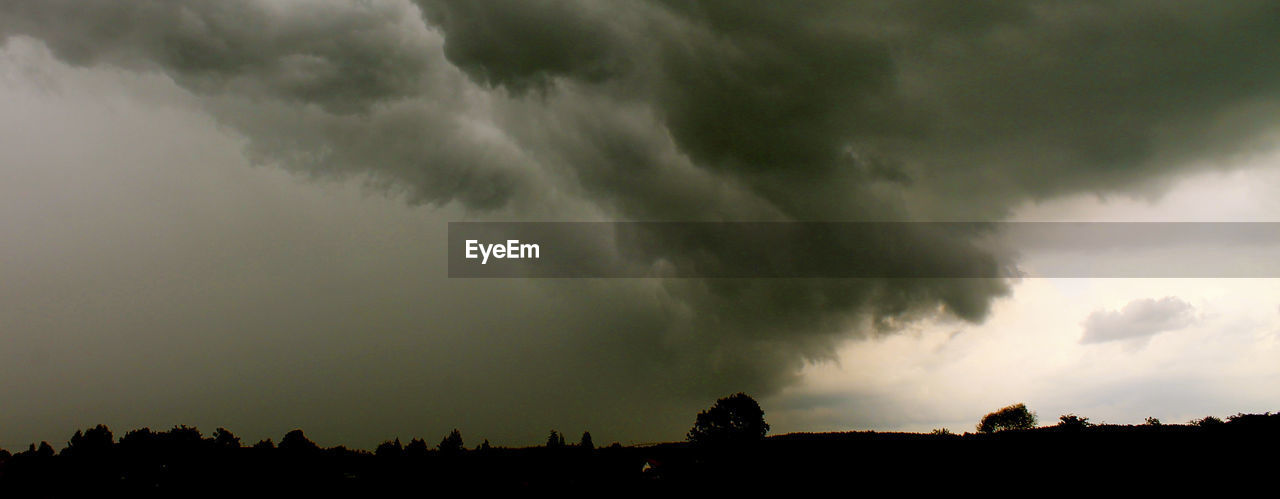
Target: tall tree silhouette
pixel 452 443
pixel 555 440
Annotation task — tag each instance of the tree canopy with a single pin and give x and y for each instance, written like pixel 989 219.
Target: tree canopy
pixel 733 419
pixel 296 441
pixel 95 440
pixel 1014 417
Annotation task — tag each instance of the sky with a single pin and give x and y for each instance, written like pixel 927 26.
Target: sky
pixel 235 213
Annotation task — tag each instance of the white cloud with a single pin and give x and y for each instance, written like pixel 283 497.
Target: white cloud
pixel 1139 319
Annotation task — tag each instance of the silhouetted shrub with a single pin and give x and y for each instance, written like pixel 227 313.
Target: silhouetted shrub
pixel 1266 418
pixel 1073 422
pixel 1206 421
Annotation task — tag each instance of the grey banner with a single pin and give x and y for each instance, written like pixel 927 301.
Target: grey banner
pixel 863 249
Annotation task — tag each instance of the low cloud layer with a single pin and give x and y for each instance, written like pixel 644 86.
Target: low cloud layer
pixel 709 111
pixel 1138 319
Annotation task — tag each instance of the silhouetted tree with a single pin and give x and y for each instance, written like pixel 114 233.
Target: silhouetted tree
pixel 181 438
pixel 452 443
pixel 138 441
pixel 224 439
pixel 45 450
pixel 389 449
pixel 265 443
pixel 296 441
pixel 555 440
pixel 586 442
pixel 416 448
pixel 1152 421
pixel 1014 417
pixel 733 419
pixel 92 442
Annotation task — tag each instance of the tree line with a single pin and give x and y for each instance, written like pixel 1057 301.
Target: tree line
pixel 730 438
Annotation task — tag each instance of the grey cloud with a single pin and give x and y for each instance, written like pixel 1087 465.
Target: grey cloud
pixel 986 104
pixel 532 43
pixel 1138 319
pixel 323 88
pixel 342 58
pixel 822 111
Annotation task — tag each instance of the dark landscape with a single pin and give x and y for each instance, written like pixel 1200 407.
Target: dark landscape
pixel 724 451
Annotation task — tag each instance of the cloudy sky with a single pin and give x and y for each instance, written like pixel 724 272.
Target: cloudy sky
pixel 233 213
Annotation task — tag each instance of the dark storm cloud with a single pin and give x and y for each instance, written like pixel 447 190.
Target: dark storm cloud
pixel 985 103
pixel 708 111
pixel 1138 319
pixel 826 110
